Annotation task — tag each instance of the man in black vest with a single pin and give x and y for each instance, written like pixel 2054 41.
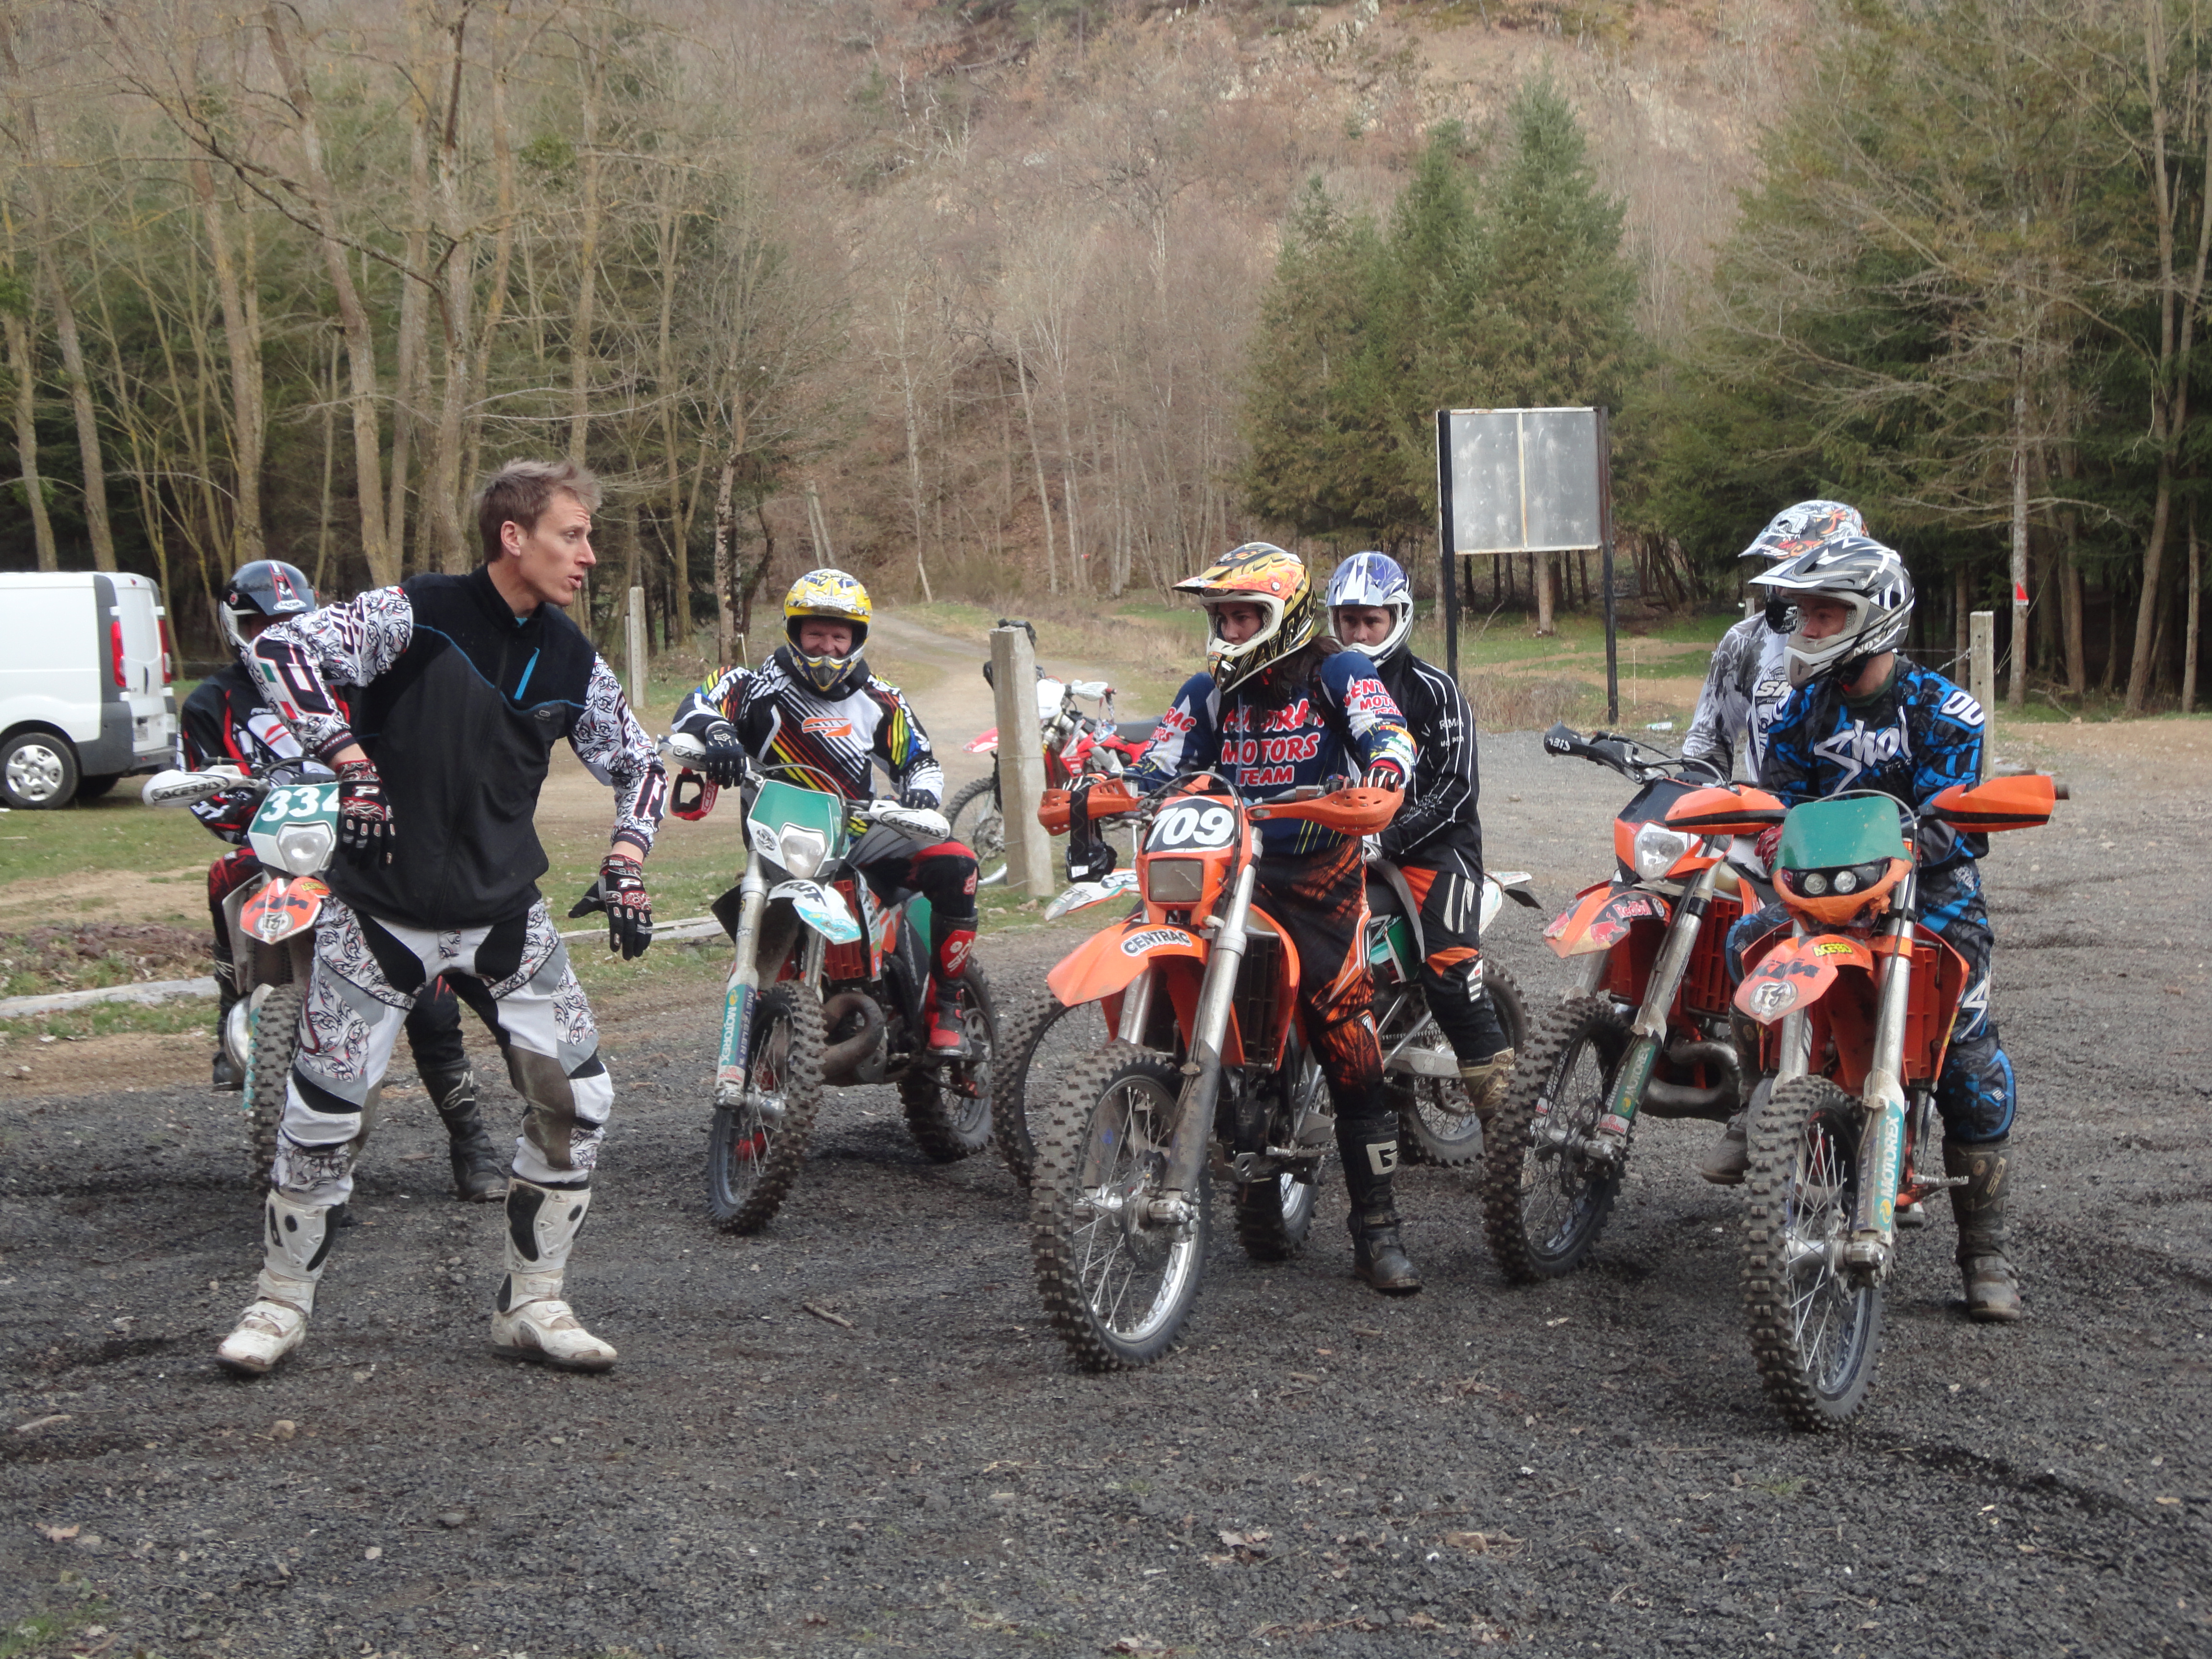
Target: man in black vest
pixel 463 685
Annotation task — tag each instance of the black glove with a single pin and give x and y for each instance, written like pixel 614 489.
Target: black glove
pixel 1093 860
pixel 365 832
pixel 919 800
pixel 725 760
pixel 629 912
pixel 1386 775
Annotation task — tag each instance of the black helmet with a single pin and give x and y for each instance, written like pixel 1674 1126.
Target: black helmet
pixel 268 590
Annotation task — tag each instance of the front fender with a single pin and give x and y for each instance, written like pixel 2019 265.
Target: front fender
pixel 1796 974
pixel 823 909
pixel 283 908
pixel 1103 964
pixel 1601 916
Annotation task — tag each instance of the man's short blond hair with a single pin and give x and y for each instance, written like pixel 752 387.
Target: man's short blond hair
pixel 520 492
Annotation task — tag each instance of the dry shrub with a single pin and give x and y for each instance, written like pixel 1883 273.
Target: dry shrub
pixel 1505 704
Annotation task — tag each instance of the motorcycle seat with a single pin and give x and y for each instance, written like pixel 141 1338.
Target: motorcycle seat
pixel 1136 732
pixel 1382 897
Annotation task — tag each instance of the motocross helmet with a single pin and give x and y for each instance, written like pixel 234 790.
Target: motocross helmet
pixel 267 590
pixel 1866 578
pixel 1374 579
pixel 1793 530
pixel 830 596
pixel 1263 574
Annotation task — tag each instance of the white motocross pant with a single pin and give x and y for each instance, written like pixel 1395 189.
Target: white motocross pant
pixel 367 973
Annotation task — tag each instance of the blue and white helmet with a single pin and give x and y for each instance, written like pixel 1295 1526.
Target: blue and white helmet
pixel 1374 579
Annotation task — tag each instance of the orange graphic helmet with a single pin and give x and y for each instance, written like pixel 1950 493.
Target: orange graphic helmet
pixel 1263 574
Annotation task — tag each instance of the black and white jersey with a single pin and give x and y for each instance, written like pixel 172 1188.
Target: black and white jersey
pixel 1440 809
pixel 780 719
pixel 1744 690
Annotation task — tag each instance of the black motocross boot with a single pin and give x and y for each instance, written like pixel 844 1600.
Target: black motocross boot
pixel 228 1078
pixel 477 1176
pixel 1370 1149
pixel 1978 1207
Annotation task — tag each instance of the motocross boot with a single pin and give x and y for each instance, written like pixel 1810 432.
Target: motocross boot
pixel 1978 1207
pixel 476 1174
pixel 1484 1083
pixel 948 1032
pixel 296 1241
pixel 1369 1150
pixel 532 1322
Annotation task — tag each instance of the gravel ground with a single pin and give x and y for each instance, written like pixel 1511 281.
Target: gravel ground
pixel 856 1433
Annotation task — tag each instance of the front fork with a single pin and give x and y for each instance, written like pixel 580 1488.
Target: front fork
pixel 1209 1026
pixel 744 988
pixel 1869 1250
pixel 1648 1030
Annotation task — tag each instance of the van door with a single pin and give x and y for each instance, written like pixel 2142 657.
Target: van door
pixel 139 720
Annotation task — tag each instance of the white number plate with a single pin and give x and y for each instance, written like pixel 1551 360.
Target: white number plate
pixel 1192 826
pixel 294 802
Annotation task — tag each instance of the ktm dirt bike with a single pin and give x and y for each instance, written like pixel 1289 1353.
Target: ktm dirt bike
pixel 1647 1034
pixel 1854 1004
pixel 827 987
pixel 1043 1036
pixel 1075 744
pixel 1206 1076
pixel 293 835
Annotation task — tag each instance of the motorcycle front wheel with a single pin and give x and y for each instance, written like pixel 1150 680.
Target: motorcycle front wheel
pixel 1814 1333
pixel 1429 1128
pixel 1116 1282
pixel 948 1110
pixel 1042 1041
pixel 1545 1200
pixel 273 1037
pixel 754 1147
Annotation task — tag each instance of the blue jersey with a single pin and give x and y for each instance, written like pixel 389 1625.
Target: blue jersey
pixel 1341 722
pixel 1912 740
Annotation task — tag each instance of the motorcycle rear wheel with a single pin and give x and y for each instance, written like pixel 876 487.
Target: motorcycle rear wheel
pixel 274 1034
pixel 1544 1203
pixel 986 834
pixel 1116 1284
pixel 1274 1216
pixel 751 1161
pixel 947 1125
pixel 1429 1133
pixel 1041 1040
pixel 1815 1334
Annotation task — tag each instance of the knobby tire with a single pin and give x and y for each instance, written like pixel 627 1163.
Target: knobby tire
pixel 1562 1076
pixel 751 1164
pixel 946 1125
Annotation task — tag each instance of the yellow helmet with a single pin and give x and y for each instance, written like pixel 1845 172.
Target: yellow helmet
pixel 829 596
pixel 1257 573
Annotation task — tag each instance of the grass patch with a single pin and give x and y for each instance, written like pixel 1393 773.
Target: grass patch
pixel 112 1019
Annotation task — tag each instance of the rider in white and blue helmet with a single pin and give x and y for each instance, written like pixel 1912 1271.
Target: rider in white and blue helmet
pixel 1435 840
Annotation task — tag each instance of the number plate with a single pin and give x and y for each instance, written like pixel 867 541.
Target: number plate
pixel 280 836
pixel 1193 828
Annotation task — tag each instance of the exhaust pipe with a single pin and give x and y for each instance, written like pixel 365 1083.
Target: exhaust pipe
pixel 1718 1102
pixel 840 1059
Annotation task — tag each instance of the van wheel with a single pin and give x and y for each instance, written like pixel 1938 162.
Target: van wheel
pixel 93 788
pixel 38 771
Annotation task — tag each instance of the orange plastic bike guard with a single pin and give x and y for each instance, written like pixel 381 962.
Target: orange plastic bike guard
pixel 1600 918
pixel 1360 811
pixel 2024 802
pixel 1104 963
pixel 1742 811
pixel 1797 973
pixel 1108 800
pixel 283 908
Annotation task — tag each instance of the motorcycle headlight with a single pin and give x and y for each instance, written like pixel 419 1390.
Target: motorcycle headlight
pixel 1175 881
pixel 304 849
pixel 1844 880
pixel 1659 849
pixel 802 850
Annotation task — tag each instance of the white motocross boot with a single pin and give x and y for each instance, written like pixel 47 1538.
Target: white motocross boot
pixel 296 1240
pixel 532 1322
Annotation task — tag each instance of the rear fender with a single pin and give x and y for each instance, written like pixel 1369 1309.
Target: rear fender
pixel 1797 973
pixel 1601 916
pixel 1103 964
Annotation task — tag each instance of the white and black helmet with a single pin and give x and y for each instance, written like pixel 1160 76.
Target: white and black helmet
pixel 267 590
pixel 1862 574
pixel 1376 580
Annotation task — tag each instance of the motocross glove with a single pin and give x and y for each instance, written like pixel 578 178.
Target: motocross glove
pixel 723 763
pixel 365 832
pixel 919 800
pixel 1385 775
pixel 629 911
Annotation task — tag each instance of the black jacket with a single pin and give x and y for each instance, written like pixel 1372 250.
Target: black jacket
pixel 1440 813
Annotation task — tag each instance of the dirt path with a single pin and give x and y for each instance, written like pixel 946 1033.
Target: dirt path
pixel 1588 1466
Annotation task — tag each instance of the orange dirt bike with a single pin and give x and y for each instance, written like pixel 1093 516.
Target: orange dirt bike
pixel 1206 1075
pixel 1855 1003
pixel 1646 1034
pixel 293 835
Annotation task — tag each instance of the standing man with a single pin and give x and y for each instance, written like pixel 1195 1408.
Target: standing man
pixel 464 685
pixel 1435 840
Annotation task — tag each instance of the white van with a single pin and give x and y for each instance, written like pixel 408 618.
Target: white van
pixel 86 684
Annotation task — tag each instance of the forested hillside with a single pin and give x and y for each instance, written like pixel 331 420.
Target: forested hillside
pixel 1032 295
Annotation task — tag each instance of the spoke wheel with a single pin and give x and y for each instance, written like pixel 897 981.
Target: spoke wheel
pixel 1275 1215
pixel 1544 1199
pixel 1434 1123
pixel 1042 1040
pixel 1116 1283
pixel 948 1109
pixel 273 1038
pixel 984 833
pixel 1814 1331
pixel 753 1154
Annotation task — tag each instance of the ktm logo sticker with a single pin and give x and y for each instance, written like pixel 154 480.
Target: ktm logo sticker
pixel 827 725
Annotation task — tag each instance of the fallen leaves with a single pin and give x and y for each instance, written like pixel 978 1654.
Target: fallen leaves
pixel 1136 1644
pixel 59 1535
pixel 1485 1543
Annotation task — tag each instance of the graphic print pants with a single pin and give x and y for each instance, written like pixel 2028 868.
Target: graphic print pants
pixel 367 975
pixel 1446 883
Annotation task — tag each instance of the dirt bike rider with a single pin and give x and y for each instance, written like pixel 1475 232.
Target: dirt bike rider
pixel 1282 705
pixel 225 721
pixel 1744 690
pixel 1861 717
pixel 1749 679
pixel 1435 840
pixel 814 702
pixel 464 684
